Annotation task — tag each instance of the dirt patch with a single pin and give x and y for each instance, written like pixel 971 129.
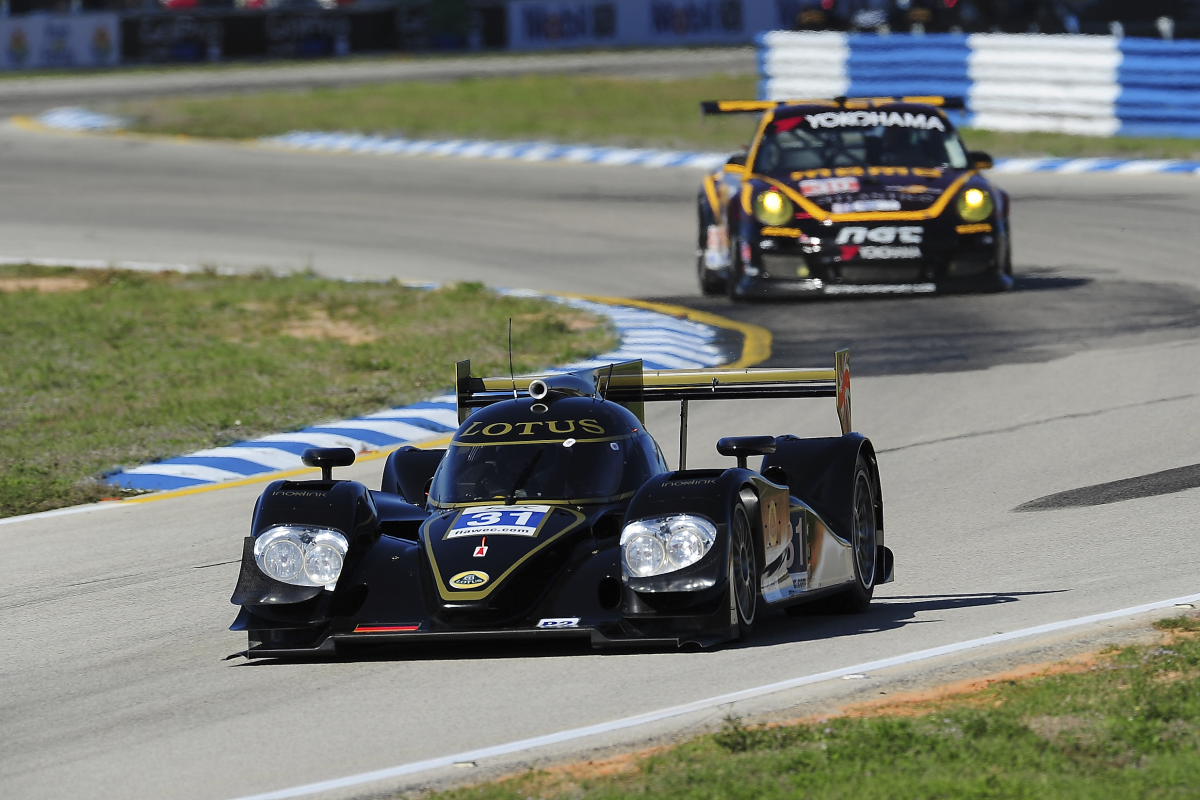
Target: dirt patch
pixel 321 326
pixel 45 285
pixel 914 704
pixel 564 779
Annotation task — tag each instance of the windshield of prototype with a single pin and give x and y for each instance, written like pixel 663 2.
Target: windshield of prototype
pixel 858 138
pixel 569 471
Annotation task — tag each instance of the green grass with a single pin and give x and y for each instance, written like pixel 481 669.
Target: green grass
pixel 565 108
pixel 117 368
pixel 1127 727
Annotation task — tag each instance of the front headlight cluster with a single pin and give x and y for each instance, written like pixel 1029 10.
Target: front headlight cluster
pixel 300 555
pixel 773 208
pixel 664 544
pixel 975 205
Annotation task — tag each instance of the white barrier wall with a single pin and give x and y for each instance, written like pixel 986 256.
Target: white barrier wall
pixel 41 41
pixel 1094 85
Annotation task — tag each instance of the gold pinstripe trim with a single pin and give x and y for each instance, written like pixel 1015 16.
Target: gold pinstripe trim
pixel 714 202
pixel 572 501
pixel 542 441
pixel 479 594
pixel 752 156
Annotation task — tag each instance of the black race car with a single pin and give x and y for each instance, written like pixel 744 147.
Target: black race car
pixel 851 196
pixel 552 513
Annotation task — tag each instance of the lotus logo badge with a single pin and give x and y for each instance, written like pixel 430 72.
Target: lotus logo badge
pixel 471 579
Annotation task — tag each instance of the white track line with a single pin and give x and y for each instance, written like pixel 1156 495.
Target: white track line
pixel 416 767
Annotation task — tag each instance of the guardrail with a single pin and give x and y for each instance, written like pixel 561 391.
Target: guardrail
pixel 1093 85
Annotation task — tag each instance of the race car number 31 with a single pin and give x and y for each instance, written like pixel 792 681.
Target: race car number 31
pixel 498 521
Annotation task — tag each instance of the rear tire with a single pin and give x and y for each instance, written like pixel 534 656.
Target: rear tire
pixel 744 574
pixel 864 538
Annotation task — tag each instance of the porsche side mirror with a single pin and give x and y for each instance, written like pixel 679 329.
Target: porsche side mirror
pixel 980 159
pixel 743 447
pixel 327 458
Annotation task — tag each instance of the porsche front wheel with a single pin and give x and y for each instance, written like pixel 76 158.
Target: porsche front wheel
pixel 735 271
pixel 743 574
pixel 711 282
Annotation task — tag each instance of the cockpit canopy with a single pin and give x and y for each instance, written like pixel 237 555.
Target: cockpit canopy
pixel 572 449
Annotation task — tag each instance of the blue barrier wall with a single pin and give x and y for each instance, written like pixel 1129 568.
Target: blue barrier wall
pixel 1097 85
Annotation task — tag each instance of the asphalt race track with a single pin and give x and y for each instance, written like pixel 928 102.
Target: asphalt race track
pixel 1040 455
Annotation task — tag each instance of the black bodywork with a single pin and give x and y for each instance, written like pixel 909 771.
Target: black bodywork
pixel 872 193
pixel 515 529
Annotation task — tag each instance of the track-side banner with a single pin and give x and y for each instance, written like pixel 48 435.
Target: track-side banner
pixel 561 24
pixel 39 41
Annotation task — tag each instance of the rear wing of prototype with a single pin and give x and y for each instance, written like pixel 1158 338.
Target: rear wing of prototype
pixel 629 384
pixel 759 106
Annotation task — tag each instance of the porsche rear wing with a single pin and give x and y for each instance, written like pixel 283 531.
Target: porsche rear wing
pixel 630 385
pixel 759 106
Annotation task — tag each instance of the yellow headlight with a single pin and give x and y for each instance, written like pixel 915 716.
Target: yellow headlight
pixel 772 208
pixel 975 205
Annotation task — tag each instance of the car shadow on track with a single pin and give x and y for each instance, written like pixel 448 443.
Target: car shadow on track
pixel 888 613
pixel 774 629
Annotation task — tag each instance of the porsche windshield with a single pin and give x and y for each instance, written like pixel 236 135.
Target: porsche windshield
pixel 569 470
pixel 844 138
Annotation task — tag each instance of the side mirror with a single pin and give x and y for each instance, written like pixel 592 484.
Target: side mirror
pixel 744 446
pixel 327 458
pixel 980 159
pixel 736 160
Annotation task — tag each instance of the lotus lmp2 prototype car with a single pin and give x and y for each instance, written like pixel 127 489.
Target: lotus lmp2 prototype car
pixel 851 196
pixel 553 514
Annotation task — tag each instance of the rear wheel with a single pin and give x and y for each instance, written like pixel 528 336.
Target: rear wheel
pixel 743 574
pixel 864 535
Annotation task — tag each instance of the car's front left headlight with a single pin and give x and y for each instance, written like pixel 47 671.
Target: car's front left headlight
pixel 660 545
pixel 773 208
pixel 301 555
pixel 975 205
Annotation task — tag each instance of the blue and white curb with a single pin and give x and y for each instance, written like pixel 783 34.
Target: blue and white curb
pixel 480 148
pixel 662 341
pixel 617 156
pixel 316 141
pixel 80 119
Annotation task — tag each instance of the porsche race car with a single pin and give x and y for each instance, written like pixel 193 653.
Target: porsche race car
pixel 852 195
pixel 552 513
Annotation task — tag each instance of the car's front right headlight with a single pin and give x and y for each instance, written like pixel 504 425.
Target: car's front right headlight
pixel 660 545
pixel 301 555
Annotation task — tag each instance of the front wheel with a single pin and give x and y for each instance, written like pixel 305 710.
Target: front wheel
pixel 744 575
pixel 711 281
pixel 864 534
pixel 710 284
pixel 735 271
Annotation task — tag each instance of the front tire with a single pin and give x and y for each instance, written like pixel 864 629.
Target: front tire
pixel 735 271
pixel 711 283
pixel 864 538
pixel 744 575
